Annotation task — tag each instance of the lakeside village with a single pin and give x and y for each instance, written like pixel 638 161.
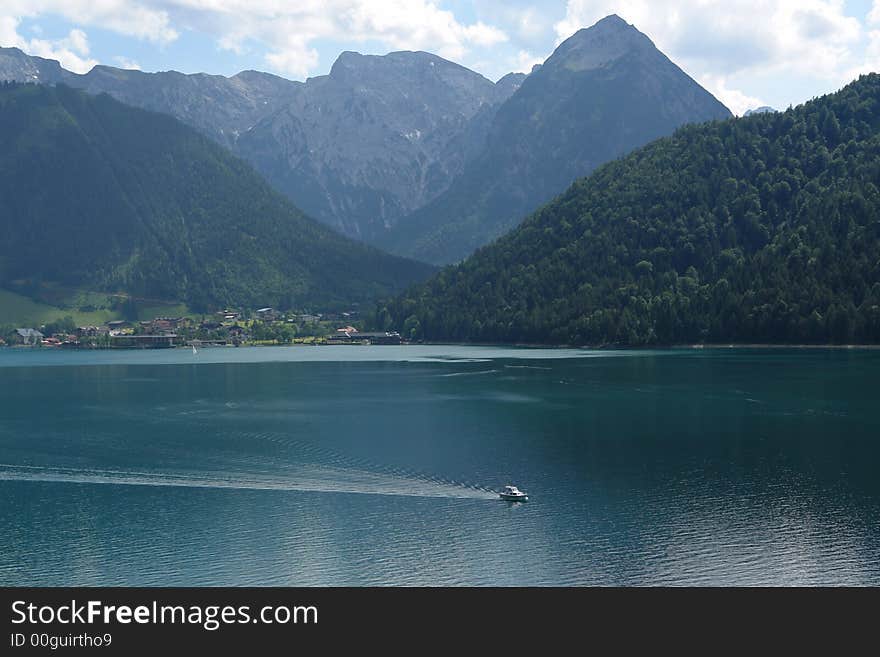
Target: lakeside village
pixel 227 328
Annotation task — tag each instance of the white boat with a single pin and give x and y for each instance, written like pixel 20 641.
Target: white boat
pixel 513 494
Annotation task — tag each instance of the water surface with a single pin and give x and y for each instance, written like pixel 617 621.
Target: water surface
pixel 361 465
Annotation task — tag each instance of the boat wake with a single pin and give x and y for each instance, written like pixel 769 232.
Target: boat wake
pixel 307 478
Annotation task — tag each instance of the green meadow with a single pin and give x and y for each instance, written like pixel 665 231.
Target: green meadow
pixel 86 308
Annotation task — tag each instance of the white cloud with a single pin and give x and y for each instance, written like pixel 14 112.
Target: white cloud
pixel 295 59
pixel 78 41
pixel 127 17
pixel 72 51
pixel 532 24
pixel 126 63
pixel 481 34
pixel 874 14
pixel 729 43
pixel 723 38
pixel 398 24
pixel 144 19
pixel 287 31
pixel 525 61
pixel 9 31
pixel 528 25
pixel 871 59
pixel 735 100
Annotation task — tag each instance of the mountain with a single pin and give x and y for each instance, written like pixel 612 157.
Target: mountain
pixel 219 107
pixel 507 86
pixel 373 140
pixel 357 149
pixel 15 66
pixel 604 91
pixel 764 109
pixel 99 195
pixel 760 229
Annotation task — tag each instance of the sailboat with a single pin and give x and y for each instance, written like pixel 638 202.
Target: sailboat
pixel 195 351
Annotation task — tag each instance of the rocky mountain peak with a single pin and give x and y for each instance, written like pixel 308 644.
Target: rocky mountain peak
pixel 402 68
pixel 16 65
pixel 596 46
pixel 508 84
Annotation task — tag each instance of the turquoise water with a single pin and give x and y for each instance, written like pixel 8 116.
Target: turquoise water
pixel 376 465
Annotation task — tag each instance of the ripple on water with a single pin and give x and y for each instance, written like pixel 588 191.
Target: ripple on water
pixel 264 467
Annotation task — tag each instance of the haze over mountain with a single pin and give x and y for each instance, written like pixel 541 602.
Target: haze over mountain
pixel 375 139
pixel 760 229
pixel 764 109
pixel 99 195
pixel 605 91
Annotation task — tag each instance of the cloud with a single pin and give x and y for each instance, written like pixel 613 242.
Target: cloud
pixel 78 41
pixel 126 63
pixel 528 24
pixel 871 60
pixel 525 61
pixel 289 34
pixel 286 31
pixel 9 35
pixel 736 101
pixel 289 31
pixel 295 59
pixel 72 51
pixel 733 44
pixel 874 14
pixel 143 19
pixel 734 37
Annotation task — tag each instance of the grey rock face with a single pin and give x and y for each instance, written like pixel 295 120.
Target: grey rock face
pixel 357 149
pixel 417 154
pixel 220 107
pixel 370 142
pixel 605 91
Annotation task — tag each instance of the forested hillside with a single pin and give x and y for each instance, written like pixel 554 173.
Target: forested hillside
pixel 99 195
pixel 760 229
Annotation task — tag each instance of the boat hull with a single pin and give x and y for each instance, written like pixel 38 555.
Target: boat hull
pixel 513 498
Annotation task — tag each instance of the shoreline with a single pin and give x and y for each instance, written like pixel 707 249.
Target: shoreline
pixel 761 345
pixel 695 347
pixel 507 345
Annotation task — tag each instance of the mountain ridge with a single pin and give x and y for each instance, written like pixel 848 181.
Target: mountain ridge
pixel 375 151
pixel 101 195
pixel 390 117
pixel 416 154
pixel 248 95
pixel 603 92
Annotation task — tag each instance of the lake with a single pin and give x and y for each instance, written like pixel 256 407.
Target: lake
pixel 357 465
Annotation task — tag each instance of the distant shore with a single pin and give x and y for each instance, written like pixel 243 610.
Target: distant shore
pixel 776 346
pixel 607 347
pixel 516 345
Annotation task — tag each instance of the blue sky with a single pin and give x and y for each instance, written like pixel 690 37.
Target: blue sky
pixel 747 52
